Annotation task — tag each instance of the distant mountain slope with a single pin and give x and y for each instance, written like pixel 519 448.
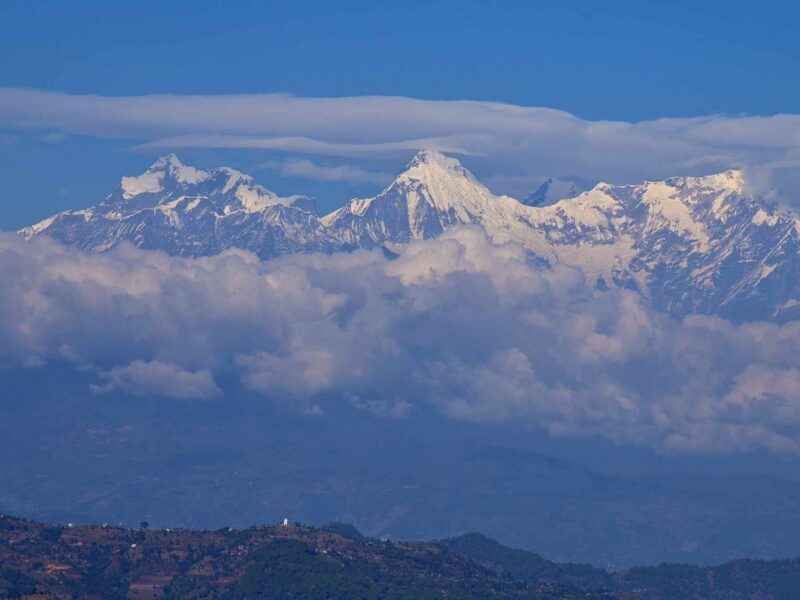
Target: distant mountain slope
pixel 689 244
pixel 525 565
pixel 734 580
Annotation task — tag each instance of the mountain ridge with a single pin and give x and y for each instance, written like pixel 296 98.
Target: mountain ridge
pixel 689 244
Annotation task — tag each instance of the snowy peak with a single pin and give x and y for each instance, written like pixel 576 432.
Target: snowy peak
pixel 430 160
pixel 551 191
pixel 188 211
pixel 731 182
pixel 694 205
pixel 443 183
pixel 435 169
pixel 245 194
pixel 433 193
pixel 167 171
pixel 229 190
pixel 232 178
pixel 168 161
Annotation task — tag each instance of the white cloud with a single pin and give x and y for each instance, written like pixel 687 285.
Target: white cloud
pixel 502 142
pixel 456 325
pixel 295 167
pixel 158 379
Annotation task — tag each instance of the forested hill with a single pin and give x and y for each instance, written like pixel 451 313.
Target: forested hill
pixel 272 562
pixel 297 562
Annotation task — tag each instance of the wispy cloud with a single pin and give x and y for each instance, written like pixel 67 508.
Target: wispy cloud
pixel 296 167
pixel 451 144
pixel 51 138
pixel 501 141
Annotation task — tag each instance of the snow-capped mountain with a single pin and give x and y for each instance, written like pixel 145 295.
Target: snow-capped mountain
pixel 189 212
pixel 551 191
pixel 690 244
pixel 433 194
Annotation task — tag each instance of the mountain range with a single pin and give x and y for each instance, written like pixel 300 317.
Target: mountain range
pixel 688 244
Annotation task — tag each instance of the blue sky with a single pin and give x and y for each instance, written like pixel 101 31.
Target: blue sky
pixel 624 61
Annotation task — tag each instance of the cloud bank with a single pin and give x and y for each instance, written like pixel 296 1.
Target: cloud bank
pixel 456 326
pixel 503 142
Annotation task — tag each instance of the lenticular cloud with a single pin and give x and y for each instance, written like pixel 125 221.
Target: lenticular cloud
pixel 455 325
